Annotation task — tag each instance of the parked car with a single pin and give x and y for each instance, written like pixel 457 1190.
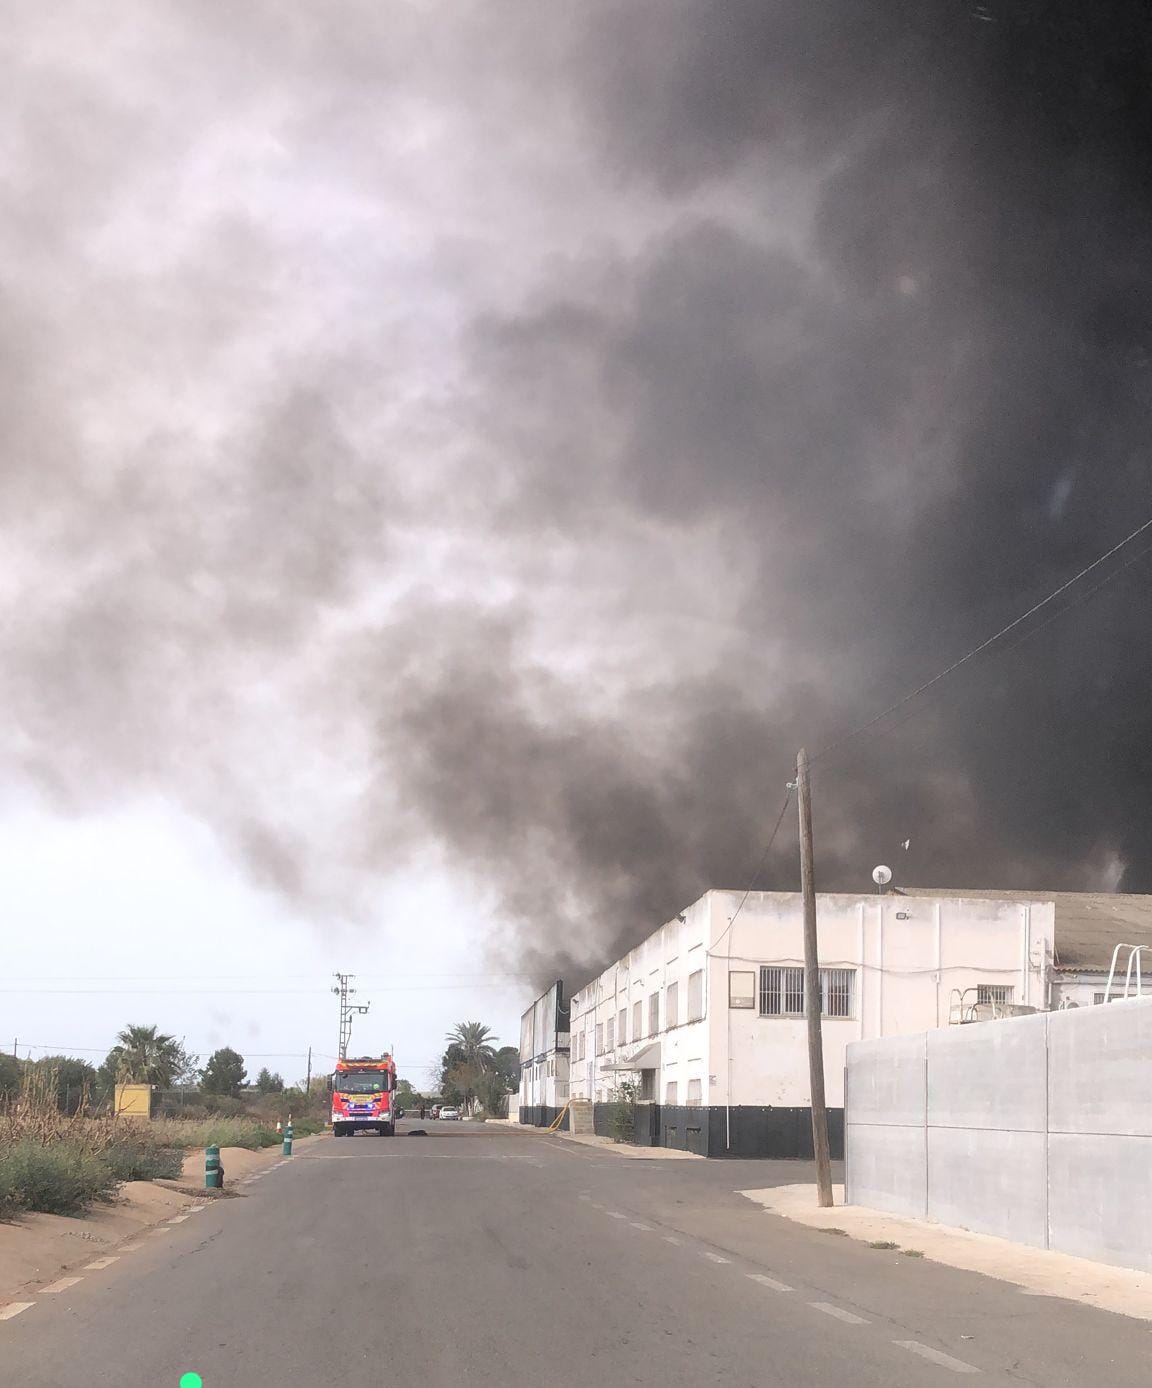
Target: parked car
pixel 450 1114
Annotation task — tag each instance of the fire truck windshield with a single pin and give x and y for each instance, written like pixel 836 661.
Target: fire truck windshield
pixel 361 1084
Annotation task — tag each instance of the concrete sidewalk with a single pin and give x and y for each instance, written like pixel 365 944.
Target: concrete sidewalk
pixel 623 1149
pixel 1035 1270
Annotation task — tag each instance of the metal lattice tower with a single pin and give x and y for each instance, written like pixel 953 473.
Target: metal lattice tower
pixel 347 1011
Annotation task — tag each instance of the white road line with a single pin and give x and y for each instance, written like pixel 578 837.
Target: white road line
pixel 132 1248
pixel 159 1231
pixel 177 1219
pixel 713 1257
pixel 944 1360
pixel 584 1197
pixel 646 1228
pixel 671 1238
pixel 100 1263
pixel 766 1281
pixel 62 1285
pixel 841 1315
pixel 615 1214
pixel 195 1209
pixel 14 1308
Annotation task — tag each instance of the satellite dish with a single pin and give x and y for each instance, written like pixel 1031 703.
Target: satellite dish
pixel 881 875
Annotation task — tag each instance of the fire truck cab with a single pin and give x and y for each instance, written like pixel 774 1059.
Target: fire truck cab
pixel 364 1096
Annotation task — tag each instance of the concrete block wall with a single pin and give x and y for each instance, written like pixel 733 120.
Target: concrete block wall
pixel 1036 1129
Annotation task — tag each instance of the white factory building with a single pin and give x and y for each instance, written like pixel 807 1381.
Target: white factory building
pixel 544 1059
pixel 706 1016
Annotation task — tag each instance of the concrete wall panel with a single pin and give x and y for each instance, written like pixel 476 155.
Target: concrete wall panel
pixel 988 1180
pixel 887 1080
pixel 1100 1198
pixel 989 1075
pixel 886 1168
pixel 1101 1067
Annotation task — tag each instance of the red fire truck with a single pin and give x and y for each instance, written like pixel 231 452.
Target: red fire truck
pixel 364 1096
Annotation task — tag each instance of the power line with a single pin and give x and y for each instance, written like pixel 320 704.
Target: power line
pixel 984 645
pixel 759 867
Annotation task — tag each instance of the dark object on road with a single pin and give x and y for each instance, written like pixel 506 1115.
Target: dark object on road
pixel 417 1132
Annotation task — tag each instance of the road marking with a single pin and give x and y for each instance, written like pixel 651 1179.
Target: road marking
pixel 841 1315
pixel 944 1360
pixel 195 1209
pixel 62 1285
pixel 177 1219
pixel 713 1257
pixel 14 1308
pixel 615 1214
pixel 646 1228
pixel 584 1196
pixel 132 1248
pixel 766 1281
pixel 100 1263
pixel 671 1238
pixel 159 1231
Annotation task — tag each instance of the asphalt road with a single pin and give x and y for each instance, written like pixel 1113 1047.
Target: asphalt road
pixel 482 1256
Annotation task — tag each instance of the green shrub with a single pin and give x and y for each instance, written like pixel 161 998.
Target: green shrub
pixel 143 1160
pixel 57 1179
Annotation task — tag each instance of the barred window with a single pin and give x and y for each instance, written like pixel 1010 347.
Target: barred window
pixel 782 992
pixel 993 992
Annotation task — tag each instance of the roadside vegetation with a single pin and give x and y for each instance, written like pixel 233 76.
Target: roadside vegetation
pixel 474 1075
pixel 62 1148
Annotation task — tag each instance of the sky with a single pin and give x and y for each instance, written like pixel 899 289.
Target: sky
pixel 452 456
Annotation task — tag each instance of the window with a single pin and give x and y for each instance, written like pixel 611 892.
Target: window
pixel 695 1093
pixel 653 1014
pixel 836 992
pixel 695 998
pixel 610 1034
pixel 782 992
pixel 672 1005
pixel 622 1027
pixel 637 1020
pixel 993 992
pixel 647 1086
pixel 741 989
pixel 671 1092
pixel 599 1038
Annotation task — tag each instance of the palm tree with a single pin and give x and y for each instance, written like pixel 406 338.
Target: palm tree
pixel 473 1044
pixel 143 1055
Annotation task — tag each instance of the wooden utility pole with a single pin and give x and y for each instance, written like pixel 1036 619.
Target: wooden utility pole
pixel 812 988
pixel 308 1081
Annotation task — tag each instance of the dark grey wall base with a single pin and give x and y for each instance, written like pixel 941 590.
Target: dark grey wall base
pixel 743 1131
pixel 542 1116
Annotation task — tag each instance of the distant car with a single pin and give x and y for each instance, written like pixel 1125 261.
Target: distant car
pixel 450 1114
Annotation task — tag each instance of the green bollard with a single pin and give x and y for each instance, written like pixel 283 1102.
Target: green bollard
pixel 286 1150
pixel 213 1171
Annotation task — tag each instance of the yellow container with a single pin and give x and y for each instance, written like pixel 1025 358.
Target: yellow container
pixel 134 1101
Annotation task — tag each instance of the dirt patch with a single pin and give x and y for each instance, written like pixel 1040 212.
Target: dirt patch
pixel 39 1248
pixel 1034 1270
